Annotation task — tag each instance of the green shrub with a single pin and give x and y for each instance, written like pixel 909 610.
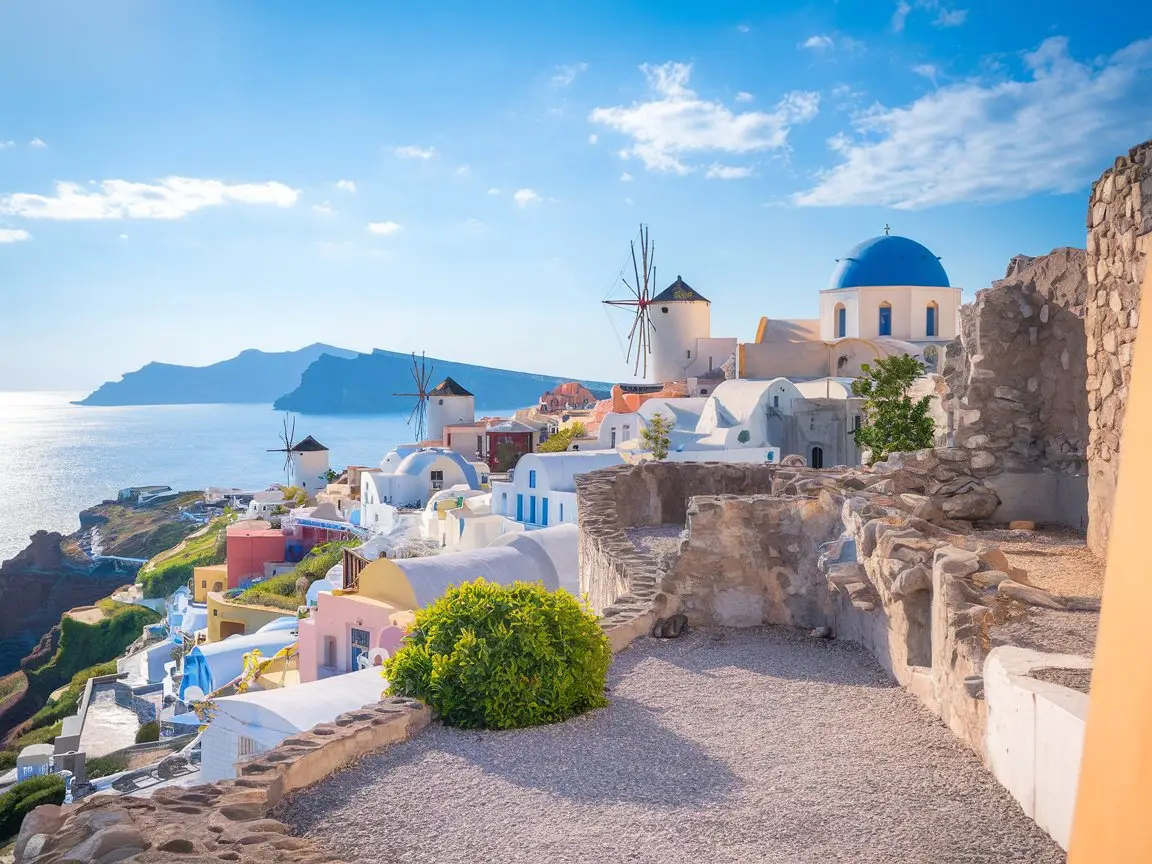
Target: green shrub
pixel 486 656
pixel 148 732
pixel 281 591
pixel 104 766
pixel 81 644
pixel 7 760
pixel 25 797
pixel 69 701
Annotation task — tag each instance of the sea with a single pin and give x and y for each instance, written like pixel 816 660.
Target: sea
pixel 57 458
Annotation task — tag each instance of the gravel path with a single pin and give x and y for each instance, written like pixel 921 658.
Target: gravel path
pixel 753 745
pixel 1057 559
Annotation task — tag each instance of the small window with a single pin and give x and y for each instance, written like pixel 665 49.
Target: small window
pixel 531 479
pixel 841 321
pixel 215 613
pixel 204 584
pixel 930 320
pixel 704 392
pixel 775 401
pixel 441 402
pixel 561 511
pixel 856 423
pixel 664 309
pixel 688 353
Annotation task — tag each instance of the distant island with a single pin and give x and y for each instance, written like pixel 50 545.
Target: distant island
pixel 365 384
pixel 251 376
pixel 321 379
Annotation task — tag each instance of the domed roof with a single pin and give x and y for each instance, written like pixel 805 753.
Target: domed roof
pixel 889 260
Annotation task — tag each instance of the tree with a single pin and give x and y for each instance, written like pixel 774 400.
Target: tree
pixel 563 439
pixel 744 436
pixel 893 421
pixel 331 476
pixel 655 436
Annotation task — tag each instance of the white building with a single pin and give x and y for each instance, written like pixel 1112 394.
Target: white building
pixel 682 343
pixel 449 404
pixel 618 428
pixel 542 490
pixel 308 465
pixel 890 287
pixel 408 477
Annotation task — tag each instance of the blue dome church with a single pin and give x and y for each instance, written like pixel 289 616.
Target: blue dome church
pixel 890 287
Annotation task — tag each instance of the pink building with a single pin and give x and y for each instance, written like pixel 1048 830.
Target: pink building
pixel 251 545
pixel 342 633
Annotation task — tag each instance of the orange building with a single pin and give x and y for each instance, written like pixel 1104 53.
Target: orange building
pixel 251 545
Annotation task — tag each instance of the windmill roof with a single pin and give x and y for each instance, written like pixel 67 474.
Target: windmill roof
pixel 309 444
pixel 679 290
pixel 449 387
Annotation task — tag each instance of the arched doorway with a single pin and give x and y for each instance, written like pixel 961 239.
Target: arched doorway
pixel 885 319
pixel 931 320
pixel 817 457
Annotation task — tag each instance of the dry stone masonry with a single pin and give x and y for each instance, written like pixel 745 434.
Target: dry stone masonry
pixel 877 556
pixel 1119 227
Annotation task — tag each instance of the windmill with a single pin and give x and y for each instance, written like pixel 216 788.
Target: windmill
pixel 643 277
pixel 288 437
pixel 421 375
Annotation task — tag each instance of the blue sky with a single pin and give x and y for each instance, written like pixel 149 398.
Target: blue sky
pixel 179 182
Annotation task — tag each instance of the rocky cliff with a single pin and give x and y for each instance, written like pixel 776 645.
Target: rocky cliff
pixel 366 384
pixel 251 376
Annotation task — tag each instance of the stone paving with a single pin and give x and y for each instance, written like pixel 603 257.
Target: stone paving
pixel 755 745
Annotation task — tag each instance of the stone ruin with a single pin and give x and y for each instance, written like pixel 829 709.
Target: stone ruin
pixel 878 556
pixel 1037 382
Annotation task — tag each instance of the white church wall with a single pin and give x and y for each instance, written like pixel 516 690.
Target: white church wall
pixel 829 302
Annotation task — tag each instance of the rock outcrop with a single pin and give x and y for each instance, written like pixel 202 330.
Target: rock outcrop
pixel 1119 228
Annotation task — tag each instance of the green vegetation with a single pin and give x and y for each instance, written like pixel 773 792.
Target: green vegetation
pixel 170 569
pixel 893 421
pixel 25 797
pixel 655 436
pixel 42 735
pixel 563 439
pixel 104 766
pixel 148 732
pixel 486 656
pixel 81 644
pixel 7 760
pixel 299 496
pixel 284 591
pixel 744 437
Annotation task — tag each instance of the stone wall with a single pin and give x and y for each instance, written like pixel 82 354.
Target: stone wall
pixel 1016 392
pixel 1119 227
pixel 222 821
pixel 875 556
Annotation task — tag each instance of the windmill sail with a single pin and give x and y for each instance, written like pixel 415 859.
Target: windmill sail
pixel 421 375
pixel 638 298
pixel 288 439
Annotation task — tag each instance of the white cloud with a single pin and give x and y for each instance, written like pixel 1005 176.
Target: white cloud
pixel 743 96
pixel 4 145
pixel 817 43
pixel 944 15
pixel 463 171
pixel 170 198
pixel 346 185
pixel 13 235
pixel 324 209
pixel 565 75
pixel 415 152
pixel 928 70
pixel 384 229
pixel 629 201
pixel 727 172
pixel 676 122
pixel 493 191
pixel 625 177
pixel 36 142
pixel 123 236
pixel 823 42
pixel 593 138
pixel 743 28
pixel 525 197
pixel 993 140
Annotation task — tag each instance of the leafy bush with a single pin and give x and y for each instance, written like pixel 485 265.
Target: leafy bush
pixel 69 700
pixel 283 592
pixel 173 570
pixel 148 732
pixel 893 421
pixel 25 797
pixel 7 760
pixel 563 439
pixel 104 766
pixel 486 656
pixel 655 436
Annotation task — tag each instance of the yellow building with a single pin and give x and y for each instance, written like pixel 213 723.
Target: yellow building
pixel 231 618
pixel 211 578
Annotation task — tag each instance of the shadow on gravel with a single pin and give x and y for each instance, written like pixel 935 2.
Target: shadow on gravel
pixel 789 654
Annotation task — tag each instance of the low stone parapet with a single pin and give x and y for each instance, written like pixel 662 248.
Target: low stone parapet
pixel 224 821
